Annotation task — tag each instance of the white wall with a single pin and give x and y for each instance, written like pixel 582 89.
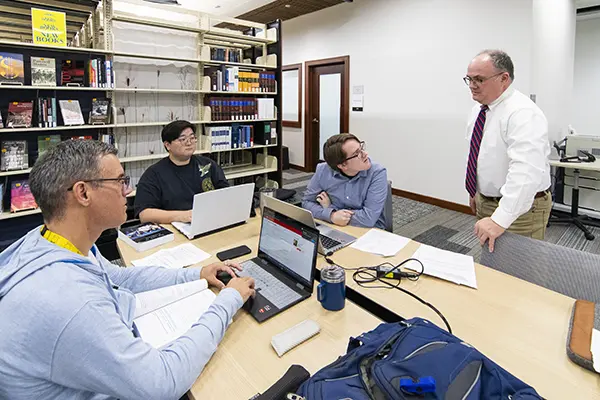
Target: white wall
pixel 586 84
pixel 410 55
pixel 553 48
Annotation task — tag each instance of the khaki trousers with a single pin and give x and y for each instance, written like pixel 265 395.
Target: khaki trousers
pixel 531 224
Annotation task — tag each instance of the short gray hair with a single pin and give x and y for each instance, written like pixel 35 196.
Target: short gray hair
pixel 59 168
pixel 501 61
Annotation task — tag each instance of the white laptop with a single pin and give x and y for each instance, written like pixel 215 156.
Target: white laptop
pixel 330 239
pixel 218 209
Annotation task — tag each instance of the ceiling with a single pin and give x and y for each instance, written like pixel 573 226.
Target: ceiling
pixel 586 3
pixel 286 9
pixel 226 8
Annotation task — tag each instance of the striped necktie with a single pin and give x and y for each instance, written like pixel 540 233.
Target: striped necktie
pixel 471 180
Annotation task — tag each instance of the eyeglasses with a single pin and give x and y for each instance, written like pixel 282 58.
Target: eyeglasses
pixel 124 181
pixel 478 80
pixel 186 139
pixel 359 153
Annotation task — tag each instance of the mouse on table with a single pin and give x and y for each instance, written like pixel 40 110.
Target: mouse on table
pixel 224 277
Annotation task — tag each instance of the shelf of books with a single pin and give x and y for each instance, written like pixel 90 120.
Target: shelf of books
pixel 131 69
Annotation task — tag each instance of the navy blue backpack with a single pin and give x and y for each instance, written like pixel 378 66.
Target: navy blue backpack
pixel 413 359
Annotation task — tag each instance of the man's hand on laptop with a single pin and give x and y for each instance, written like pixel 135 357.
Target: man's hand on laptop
pixel 323 199
pixel 183 216
pixel 244 285
pixel 210 272
pixel 341 217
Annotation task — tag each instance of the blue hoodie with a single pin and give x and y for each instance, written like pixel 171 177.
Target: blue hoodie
pixel 66 329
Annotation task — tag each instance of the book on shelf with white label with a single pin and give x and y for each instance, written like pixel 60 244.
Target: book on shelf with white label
pixel 71 112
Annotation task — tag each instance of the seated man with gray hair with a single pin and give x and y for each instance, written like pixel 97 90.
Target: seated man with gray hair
pixel 67 326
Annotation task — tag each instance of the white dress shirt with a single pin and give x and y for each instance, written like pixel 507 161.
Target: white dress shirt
pixel 513 158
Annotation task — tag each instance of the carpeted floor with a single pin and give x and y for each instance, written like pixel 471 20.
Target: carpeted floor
pixel 449 230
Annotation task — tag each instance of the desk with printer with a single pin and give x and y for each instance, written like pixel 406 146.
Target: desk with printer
pixel 580 183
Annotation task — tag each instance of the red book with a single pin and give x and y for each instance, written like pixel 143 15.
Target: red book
pixel 20 197
pixel 19 114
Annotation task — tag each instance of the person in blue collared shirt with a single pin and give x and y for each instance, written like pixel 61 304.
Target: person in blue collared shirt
pixel 347 189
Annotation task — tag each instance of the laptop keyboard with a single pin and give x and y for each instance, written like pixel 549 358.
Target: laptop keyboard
pixel 270 287
pixel 328 242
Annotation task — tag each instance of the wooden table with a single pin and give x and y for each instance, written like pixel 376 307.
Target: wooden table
pixel 245 363
pixel 521 326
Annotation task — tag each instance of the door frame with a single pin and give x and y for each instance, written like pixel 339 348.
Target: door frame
pixel 345 123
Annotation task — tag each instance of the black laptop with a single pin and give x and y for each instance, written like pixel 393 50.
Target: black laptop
pixel 284 270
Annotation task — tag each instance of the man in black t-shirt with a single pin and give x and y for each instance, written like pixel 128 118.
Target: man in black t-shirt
pixel 166 190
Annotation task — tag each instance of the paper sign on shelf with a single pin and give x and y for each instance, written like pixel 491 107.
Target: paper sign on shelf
pixel 49 27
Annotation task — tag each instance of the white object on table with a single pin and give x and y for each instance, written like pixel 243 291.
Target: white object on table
pixel 443 264
pixel 596 349
pixel 176 257
pixel 380 242
pixel 164 314
pixel 288 339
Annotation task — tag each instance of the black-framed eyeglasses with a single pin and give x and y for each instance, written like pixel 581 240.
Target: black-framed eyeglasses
pixel 478 80
pixel 359 153
pixel 187 139
pixel 123 180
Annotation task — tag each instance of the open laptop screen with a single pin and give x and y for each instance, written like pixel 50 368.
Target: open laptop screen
pixel 290 245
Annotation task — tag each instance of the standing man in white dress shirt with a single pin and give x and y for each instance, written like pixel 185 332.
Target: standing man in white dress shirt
pixel 508 174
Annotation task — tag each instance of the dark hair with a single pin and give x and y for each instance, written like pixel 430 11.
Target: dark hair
pixel 501 61
pixel 60 167
pixel 332 149
pixel 174 129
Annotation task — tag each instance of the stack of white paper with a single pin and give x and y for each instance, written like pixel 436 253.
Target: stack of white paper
pixel 176 257
pixel 380 242
pixel 447 265
pixel 164 314
pixel 596 349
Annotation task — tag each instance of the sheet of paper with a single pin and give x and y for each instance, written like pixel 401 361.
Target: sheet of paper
pixel 176 257
pixel 162 326
pixel 443 264
pixel 146 302
pixel 596 349
pixel 380 242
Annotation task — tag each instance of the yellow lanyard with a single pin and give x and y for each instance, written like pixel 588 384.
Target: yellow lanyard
pixel 59 240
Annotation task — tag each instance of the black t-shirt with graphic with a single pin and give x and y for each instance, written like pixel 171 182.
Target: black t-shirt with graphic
pixel 167 186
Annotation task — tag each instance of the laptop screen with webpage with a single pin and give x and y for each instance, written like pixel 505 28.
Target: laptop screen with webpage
pixel 289 245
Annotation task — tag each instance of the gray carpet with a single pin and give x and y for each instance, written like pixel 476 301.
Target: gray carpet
pixel 450 230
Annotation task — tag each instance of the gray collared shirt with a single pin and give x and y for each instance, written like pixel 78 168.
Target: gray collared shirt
pixel 365 194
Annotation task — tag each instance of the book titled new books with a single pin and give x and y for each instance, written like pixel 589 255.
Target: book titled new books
pixel 21 198
pixel 143 237
pixel 43 71
pixel 13 155
pixel 163 315
pixel 12 71
pixel 20 114
pixel 71 112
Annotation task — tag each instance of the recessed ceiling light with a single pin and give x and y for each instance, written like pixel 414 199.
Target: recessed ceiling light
pixel 287 6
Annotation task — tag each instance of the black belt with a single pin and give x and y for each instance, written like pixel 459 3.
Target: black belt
pixel 537 195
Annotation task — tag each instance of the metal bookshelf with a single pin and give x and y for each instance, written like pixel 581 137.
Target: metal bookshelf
pixel 96 40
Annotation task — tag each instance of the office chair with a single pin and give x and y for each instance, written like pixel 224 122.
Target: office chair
pixel 388 210
pixel 567 271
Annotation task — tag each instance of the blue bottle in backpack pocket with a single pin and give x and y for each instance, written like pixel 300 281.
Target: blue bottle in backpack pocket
pixel 331 292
